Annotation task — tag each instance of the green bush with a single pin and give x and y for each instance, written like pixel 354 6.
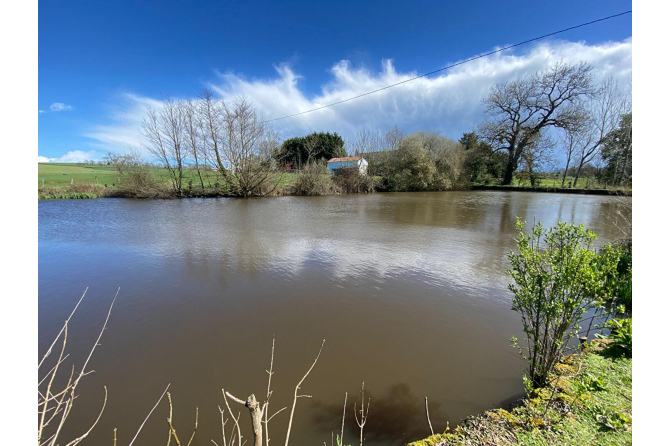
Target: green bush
pixel 423 161
pixel 557 275
pixel 620 281
pixel 621 335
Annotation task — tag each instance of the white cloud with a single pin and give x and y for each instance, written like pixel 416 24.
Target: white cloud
pixel 73 156
pixel 59 106
pixel 449 102
pixel 124 132
pixel 40 111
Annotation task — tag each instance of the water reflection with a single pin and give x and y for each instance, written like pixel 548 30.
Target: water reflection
pixel 396 416
pixel 406 288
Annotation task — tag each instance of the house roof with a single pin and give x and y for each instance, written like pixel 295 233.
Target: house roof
pixel 348 158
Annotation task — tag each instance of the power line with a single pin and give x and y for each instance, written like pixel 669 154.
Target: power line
pixel 452 66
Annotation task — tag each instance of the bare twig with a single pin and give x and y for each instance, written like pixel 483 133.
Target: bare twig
pixel 78 440
pixel 364 411
pixel 195 428
pixel 295 394
pixel 344 411
pixel 97 342
pixel 269 394
pixel 268 420
pixel 45 403
pixel 63 400
pixel 173 432
pixel 223 426
pixel 236 399
pixel 145 420
pixel 62 329
pixel 428 416
pixel 237 424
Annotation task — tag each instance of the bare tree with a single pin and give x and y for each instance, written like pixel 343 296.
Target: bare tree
pixel 123 161
pixel 538 155
pixel 519 110
pixel 604 112
pixel 312 146
pixel 392 139
pixel 571 140
pixel 365 141
pixel 194 128
pixel 241 146
pixel 164 131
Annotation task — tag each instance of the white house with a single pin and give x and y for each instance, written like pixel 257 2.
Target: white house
pixel 349 162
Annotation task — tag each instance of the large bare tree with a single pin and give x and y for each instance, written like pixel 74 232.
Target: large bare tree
pixel 239 145
pixel 164 129
pixel 242 145
pixel 195 140
pixel 519 110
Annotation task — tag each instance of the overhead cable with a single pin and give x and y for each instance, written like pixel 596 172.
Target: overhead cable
pixel 451 66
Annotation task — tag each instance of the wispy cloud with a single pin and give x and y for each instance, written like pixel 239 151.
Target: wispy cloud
pixel 59 106
pixel 73 156
pixel 123 133
pixel 450 102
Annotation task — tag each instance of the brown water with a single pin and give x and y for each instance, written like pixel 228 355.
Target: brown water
pixel 407 289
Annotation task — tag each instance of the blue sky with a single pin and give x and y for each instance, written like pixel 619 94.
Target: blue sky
pixel 101 63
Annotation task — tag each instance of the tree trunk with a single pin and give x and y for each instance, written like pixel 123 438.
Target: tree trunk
pixel 509 173
pixel 565 172
pixel 256 416
pixel 579 171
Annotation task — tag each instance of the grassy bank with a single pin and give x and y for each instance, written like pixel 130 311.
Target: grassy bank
pixel 76 181
pixel 61 181
pixel 588 401
pixel 562 190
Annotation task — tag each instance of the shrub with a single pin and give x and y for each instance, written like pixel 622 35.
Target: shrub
pixel 138 182
pixel 620 280
pixel 423 161
pixel 557 275
pixel 621 335
pixel 350 181
pixel 314 181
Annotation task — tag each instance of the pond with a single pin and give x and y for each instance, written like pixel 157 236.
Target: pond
pixel 408 290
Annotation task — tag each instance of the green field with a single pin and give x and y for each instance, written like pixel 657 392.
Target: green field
pixel 55 175
pixel 69 180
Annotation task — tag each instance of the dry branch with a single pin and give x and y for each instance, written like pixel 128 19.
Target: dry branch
pixel 237 424
pixel 256 414
pixel 59 403
pixel 295 394
pixel 364 411
pixel 269 394
pixel 344 411
pixel 145 420
pixel 428 416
